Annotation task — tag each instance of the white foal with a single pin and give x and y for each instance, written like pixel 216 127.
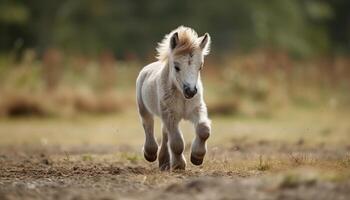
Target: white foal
pixel 171 89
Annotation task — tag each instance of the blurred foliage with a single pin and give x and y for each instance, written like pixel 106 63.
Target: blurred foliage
pixel 132 28
pixel 254 85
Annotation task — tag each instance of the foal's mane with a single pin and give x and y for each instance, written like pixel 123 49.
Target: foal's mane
pixel 188 42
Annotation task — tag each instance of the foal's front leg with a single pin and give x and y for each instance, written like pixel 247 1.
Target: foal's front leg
pixel 176 143
pixel 202 128
pixel 164 157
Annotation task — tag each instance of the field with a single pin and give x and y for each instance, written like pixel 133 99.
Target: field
pixel 273 136
pixel 302 155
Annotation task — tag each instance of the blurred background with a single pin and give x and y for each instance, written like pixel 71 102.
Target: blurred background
pixel 277 87
pixel 63 59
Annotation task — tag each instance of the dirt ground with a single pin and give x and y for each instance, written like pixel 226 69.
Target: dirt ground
pixel 52 174
pixel 64 159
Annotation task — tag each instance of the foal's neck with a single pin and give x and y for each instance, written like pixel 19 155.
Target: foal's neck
pixel 165 74
pixel 166 77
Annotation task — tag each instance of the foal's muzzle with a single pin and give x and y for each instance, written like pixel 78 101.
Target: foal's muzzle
pixel 189 92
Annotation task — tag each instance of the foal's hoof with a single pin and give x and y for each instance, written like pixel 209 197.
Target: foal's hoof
pixel 196 161
pixel 150 158
pixel 150 152
pixel 164 167
pixel 178 166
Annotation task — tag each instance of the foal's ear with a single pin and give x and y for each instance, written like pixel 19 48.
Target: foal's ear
pixel 205 43
pixel 174 40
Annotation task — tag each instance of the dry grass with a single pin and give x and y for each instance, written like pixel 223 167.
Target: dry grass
pixel 251 85
pixel 64 102
pixel 225 107
pixel 21 104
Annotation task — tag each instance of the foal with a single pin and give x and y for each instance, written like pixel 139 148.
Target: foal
pixel 171 89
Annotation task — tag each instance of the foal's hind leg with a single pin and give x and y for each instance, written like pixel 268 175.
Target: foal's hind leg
pixel 202 128
pixel 164 157
pixel 150 147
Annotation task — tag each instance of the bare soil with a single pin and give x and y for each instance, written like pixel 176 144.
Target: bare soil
pixel 120 173
pixel 294 156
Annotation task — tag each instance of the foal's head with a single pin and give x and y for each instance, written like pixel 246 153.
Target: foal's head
pixel 184 51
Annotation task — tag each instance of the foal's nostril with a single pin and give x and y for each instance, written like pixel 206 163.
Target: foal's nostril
pixel 186 89
pixel 189 93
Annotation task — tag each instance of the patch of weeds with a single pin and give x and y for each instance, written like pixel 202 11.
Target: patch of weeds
pixel 131 157
pixel 86 157
pixel 294 180
pixel 263 165
pixel 289 181
pixel 303 102
pixel 224 108
pixel 67 157
pixel 299 159
pixel 326 131
pixel 346 161
pixel 336 176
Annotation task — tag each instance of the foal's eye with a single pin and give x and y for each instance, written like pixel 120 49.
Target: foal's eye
pixel 177 68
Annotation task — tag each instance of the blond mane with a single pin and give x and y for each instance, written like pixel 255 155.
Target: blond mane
pixel 188 42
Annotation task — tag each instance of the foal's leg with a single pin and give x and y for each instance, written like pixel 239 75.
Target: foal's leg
pixel 202 128
pixel 150 147
pixel 176 143
pixel 164 157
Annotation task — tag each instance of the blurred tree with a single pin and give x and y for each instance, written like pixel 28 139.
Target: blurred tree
pixel 339 25
pixel 13 18
pixel 301 27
